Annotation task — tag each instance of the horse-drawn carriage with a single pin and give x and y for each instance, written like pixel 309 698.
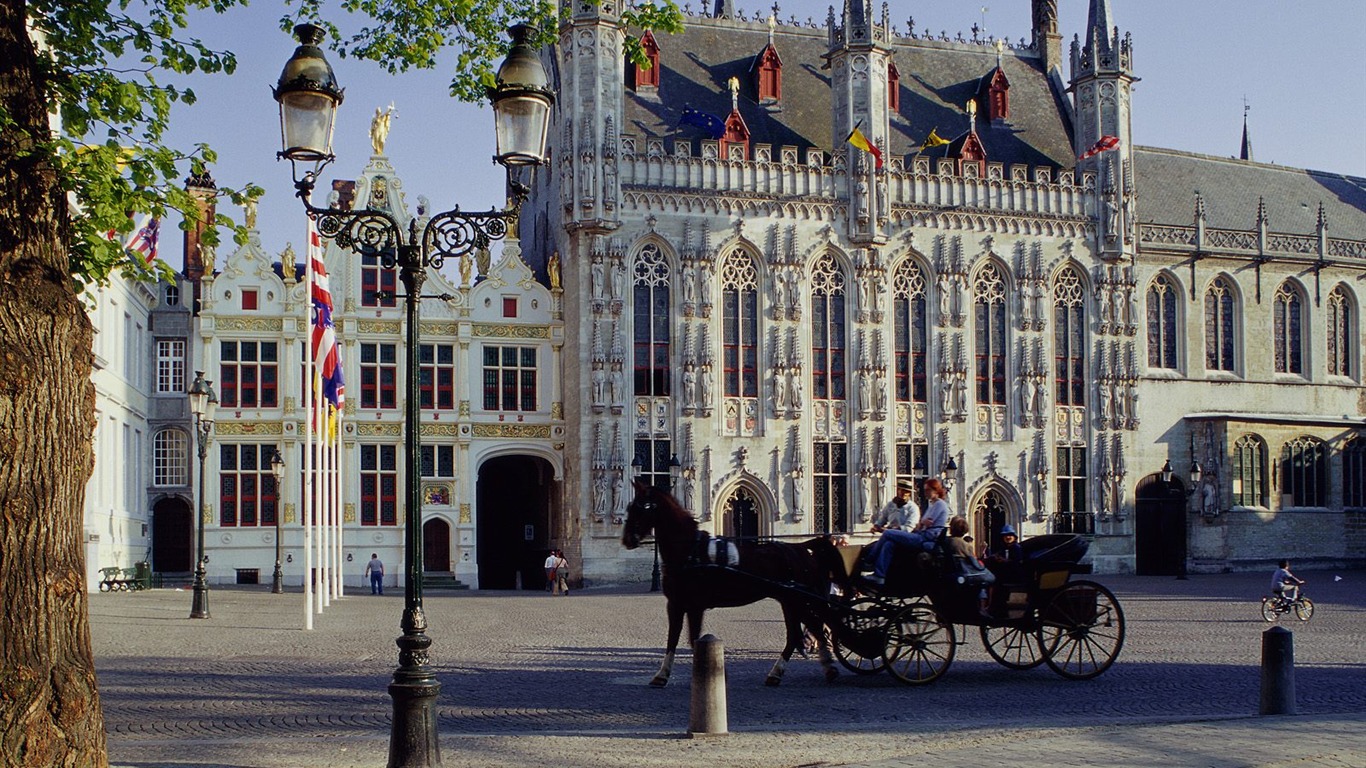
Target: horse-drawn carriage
pixel 1037 613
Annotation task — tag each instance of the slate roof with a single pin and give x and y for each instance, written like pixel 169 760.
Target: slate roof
pixel 937 79
pixel 1167 181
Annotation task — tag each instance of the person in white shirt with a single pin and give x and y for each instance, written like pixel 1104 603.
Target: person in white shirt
pixel 927 531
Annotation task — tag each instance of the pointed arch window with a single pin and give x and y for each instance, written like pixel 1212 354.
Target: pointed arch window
pixel 911 334
pixel 828 351
pixel 650 323
pixel 1304 472
pixel 1249 472
pixel 1162 335
pixel 1341 344
pixel 769 75
pixel 740 324
pixel 1288 329
pixel 1354 473
pixel 1220 323
pixel 1069 339
pixel 647 76
pixel 989 301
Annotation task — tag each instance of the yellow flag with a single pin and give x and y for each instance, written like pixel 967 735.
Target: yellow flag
pixel 932 140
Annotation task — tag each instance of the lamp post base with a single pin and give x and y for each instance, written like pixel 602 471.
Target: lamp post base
pixel 277 581
pixel 413 733
pixel 199 608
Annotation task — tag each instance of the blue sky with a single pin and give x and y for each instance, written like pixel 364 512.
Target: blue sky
pixel 1298 65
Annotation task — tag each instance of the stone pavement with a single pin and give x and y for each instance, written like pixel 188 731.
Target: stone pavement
pixel 532 680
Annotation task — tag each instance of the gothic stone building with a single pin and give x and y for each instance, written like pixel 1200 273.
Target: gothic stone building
pixel 797 325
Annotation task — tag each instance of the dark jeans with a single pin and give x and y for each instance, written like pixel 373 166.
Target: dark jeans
pixel 376 583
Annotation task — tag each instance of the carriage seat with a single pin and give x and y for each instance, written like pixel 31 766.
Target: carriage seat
pixel 852 557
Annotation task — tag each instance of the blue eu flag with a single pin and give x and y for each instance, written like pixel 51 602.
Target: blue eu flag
pixel 713 125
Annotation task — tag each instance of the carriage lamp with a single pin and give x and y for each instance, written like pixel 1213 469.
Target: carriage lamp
pixel 950 472
pixel 308 96
pixel 1196 473
pixel 277 468
pixel 675 469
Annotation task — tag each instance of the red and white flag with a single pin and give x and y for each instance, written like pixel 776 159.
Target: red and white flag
pixel 144 240
pixel 1104 144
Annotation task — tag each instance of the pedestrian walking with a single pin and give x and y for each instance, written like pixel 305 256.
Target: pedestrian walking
pixel 375 570
pixel 561 573
pixel 552 562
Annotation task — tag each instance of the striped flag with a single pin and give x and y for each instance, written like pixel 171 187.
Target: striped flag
pixel 1103 144
pixel 144 240
pixel 857 138
pixel 325 351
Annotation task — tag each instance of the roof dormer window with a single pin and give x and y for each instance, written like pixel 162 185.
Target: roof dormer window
pixel 893 87
pixel 646 77
pixel 995 95
pixel 768 70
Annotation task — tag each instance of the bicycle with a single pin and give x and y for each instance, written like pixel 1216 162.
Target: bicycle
pixel 1275 605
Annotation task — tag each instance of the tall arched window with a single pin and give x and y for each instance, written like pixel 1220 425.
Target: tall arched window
pixel 989 301
pixel 1340 337
pixel 1288 331
pixel 740 324
pixel 1354 473
pixel 911 333
pixel 1162 295
pixel 650 316
pixel 170 458
pixel 1249 472
pixel 1304 472
pixel 828 358
pixel 1219 326
pixel 1069 339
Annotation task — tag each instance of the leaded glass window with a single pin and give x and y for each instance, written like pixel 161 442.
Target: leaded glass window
pixel 828 356
pixel 1340 323
pixel 650 322
pixel 1073 515
pixel 740 324
pixel 911 332
pixel 1069 339
pixel 1287 330
pixel 1219 326
pixel 989 298
pixel 830 481
pixel 1162 295
pixel 1354 473
pixel 1304 469
pixel 1249 472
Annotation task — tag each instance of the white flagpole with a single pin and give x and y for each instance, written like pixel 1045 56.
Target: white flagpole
pixel 324 510
pixel 306 495
pixel 337 503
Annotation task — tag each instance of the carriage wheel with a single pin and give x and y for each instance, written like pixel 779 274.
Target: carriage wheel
pixel 1012 646
pixel 1304 609
pixel 919 648
pixel 1269 611
pixel 1081 630
pixel 862 617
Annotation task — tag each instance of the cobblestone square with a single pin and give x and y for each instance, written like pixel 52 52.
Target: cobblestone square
pixel 529 679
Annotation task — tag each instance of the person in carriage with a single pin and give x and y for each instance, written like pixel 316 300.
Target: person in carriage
pixel 920 538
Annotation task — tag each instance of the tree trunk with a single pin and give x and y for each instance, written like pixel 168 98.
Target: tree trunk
pixel 49 703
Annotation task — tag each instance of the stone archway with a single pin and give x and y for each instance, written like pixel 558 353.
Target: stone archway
pixel 740 514
pixel 1160 527
pixel 993 507
pixel 513 516
pixel 172 536
pixel 436 546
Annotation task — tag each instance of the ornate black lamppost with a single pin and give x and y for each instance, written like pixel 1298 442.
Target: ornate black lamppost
pixel 1196 473
pixel 202 402
pixel 309 95
pixel 277 468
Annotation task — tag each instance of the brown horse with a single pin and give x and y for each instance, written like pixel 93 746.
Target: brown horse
pixel 701 572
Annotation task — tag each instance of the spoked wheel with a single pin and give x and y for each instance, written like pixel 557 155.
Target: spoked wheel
pixel 1304 609
pixel 919 648
pixel 1269 611
pixel 1012 646
pixel 862 636
pixel 1081 630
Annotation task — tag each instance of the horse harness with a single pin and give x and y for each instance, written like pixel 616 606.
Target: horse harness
pixel 713 550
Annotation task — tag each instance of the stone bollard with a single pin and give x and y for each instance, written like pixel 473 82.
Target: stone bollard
pixel 1278 672
pixel 708 715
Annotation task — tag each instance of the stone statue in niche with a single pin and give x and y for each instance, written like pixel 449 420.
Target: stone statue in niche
pixel 618 502
pixel 618 280
pixel 865 392
pixel 599 386
pixel 601 497
pixel 704 385
pixel 960 391
pixel 795 388
pixel 779 392
pixel 617 382
pixel 880 394
pixel 689 283
pixel 689 386
pixel 597 273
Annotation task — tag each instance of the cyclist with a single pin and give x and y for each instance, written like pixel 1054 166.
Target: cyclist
pixel 1284 584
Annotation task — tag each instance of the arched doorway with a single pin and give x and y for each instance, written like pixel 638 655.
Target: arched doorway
pixel 436 545
pixel 989 514
pixel 1160 527
pixel 172 536
pixel 740 514
pixel 512 519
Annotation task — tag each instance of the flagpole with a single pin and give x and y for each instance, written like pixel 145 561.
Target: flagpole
pixel 337 492
pixel 307 489
pixel 332 498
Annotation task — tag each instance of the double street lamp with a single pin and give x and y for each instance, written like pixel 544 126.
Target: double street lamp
pixel 675 469
pixel 202 402
pixel 277 468
pixel 309 95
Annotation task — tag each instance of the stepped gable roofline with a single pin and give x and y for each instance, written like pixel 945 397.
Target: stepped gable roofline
pixel 937 78
pixel 1168 181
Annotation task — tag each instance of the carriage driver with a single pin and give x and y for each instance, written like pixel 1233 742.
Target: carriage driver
pixel 899 516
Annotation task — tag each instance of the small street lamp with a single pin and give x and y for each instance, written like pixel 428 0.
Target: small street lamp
pixel 202 402
pixel 950 473
pixel 309 95
pixel 277 468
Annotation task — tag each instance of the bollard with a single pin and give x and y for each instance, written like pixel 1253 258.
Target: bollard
pixel 708 715
pixel 1278 672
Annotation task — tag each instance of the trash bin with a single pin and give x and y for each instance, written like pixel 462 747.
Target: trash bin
pixel 142 575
